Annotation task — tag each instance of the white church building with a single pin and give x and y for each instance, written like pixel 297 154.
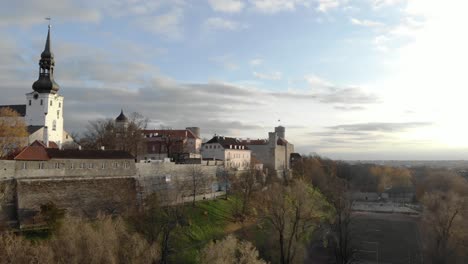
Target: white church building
pixel 43 111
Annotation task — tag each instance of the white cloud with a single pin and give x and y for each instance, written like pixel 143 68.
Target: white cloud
pixel 385 3
pixel 227 61
pixel 268 76
pixel 274 6
pixel 317 83
pixel 168 24
pixel 218 23
pixel 255 62
pixel 380 43
pixel 31 12
pixel 325 5
pixel 365 23
pixel 228 6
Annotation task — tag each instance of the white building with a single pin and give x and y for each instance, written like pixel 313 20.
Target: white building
pixel 232 151
pixel 43 111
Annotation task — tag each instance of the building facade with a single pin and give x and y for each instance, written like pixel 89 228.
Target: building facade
pixel 230 150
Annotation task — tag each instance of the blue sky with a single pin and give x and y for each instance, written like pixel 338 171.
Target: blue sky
pixel 365 79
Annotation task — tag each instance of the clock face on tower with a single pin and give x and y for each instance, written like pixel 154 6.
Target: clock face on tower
pixel 36 96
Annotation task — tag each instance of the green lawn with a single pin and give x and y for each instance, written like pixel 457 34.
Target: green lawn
pixel 206 221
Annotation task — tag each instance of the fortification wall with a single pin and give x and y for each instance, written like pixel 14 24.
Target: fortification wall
pixel 92 189
pixel 7 169
pixel 158 177
pixel 79 197
pixel 74 168
pixel 7 203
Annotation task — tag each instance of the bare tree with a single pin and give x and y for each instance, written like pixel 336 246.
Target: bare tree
pixel 13 134
pixel 106 133
pixel 105 240
pixel 341 226
pixel 230 251
pixel 197 181
pixel 163 214
pixel 224 176
pixel 331 178
pixel 245 184
pixel 443 216
pixel 292 212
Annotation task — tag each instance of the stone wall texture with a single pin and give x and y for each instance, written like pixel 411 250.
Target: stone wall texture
pixel 79 197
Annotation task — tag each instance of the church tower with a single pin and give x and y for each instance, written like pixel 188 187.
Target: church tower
pixel 44 106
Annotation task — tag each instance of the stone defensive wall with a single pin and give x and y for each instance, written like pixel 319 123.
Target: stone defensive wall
pixel 87 187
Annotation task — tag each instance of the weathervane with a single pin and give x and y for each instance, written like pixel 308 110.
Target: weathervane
pixel 48 18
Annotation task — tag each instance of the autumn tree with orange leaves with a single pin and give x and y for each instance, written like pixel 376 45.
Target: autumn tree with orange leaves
pixel 13 133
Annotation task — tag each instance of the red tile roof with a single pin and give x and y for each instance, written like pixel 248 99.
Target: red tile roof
pixel 178 133
pixel 33 153
pixel 38 151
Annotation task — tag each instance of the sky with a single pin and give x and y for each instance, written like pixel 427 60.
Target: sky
pixel 364 79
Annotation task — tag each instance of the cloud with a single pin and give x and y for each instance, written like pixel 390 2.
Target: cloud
pixel 376 4
pixel 31 12
pixel 325 5
pixel 347 96
pixel 218 23
pixel 255 62
pixel 381 126
pixel 365 23
pixel 168 24
pixel 349 108
pixel 268 76
pixel 227 61
pixel 317 83
pixel 326 92
pixel 227 6
pixel 275 6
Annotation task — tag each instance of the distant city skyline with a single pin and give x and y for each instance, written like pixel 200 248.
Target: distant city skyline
pixel 366 79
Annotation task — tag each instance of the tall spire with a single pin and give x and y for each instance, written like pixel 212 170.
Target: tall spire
pixel 47 52
pixel 46 82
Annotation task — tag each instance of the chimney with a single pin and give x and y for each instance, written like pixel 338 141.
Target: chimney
pixel 46 136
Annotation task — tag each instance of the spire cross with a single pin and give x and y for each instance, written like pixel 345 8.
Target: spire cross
pixel 48 18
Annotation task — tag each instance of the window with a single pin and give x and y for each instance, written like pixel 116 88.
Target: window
pixel 90 165
pixel 72 165
pixel 60 105
pixel 54 125
pixel 29 102
pixel 57 165
pixel 24 166
pixel 41 165
pixel 82 165
pixel 58 114
pixel 50 103
pixel 42 102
